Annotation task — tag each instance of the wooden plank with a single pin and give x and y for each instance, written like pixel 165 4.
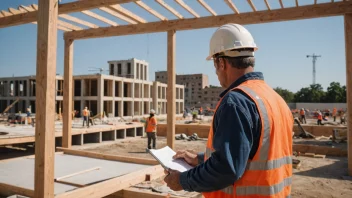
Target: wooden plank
pixel 14 11
pixel 76 6
pixel 8 190
pixel 118 15
pixel 108 157
pixel 169 8
pixel 1 15
pixel 207 7
pixel 77 20
pixel 315 1
pixel 297 4
pixel 68 25
pixel 98 17
pixel 127 13
pixel 76 173
pixel 267 4
pixel 111 186
pixel 5 13
pixel 281 4
pixel 150 10
pixel 134 193
pixel 71 183
pixel 67 95
pixel 348 49
pixel 286 14
pixel 45 92
pixel 171 88
pixel 252 5
pixel 232 6
pixel 8 141
pixel 28 8
pixel 186 7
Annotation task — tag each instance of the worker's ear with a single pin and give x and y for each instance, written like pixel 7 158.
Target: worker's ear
pixel 222 64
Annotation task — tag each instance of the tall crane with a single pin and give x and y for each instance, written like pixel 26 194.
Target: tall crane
pixel 314 57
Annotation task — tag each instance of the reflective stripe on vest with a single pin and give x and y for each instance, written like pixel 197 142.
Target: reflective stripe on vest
pixel 264 150
pixel 264 190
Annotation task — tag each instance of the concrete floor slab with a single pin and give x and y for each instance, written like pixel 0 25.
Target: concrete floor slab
pixel 20 172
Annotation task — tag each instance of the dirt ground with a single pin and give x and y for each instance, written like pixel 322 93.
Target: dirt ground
pixel 316 177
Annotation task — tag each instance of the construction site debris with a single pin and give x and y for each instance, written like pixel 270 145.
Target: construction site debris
pixel 193 137
pixel 339 135
pixel 303 134
pixel 296 163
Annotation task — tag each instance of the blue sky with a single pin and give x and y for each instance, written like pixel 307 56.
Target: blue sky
pixel 281 56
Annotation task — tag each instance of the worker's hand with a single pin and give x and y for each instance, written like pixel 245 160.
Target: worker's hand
pixel 173 180
pixel 188 155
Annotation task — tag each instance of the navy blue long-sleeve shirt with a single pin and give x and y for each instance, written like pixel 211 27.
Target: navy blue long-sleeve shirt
pixel 236 128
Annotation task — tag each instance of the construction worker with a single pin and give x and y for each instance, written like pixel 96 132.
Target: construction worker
pixel 303 116
pixel 85 116
pixel 334 112
pixel 150 128
pixel 249 149
pixel 320 118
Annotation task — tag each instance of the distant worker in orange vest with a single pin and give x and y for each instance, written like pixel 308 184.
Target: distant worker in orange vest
pixel 85 116
pixel 303 116
pixel 249 149
pixel 150 128
pixel 320 118
pixel 334 112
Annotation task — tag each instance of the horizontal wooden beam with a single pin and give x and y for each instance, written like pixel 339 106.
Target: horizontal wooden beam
pixel 15 11
pixel 113 185
pixel 118 15
pixel 65 8
pixel 6 14
pixel 8 190
pixel 285 14
pixel 98 17
pixel 169 8
pixel 127 13
pixel 186 7
pixel 108 157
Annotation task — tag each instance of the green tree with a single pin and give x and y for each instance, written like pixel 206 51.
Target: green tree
pixel 287 95
pixel 313 93
pixel 335 93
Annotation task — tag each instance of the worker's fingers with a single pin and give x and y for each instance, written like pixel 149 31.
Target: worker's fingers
pixel 178 154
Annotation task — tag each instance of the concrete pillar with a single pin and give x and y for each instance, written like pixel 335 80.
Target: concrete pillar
pixel 113 99
pixel 100 94
pixel 82 87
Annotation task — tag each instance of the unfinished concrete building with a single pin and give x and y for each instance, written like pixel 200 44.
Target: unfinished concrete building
pixel 210 96
pixel 193 83
pixel 126 93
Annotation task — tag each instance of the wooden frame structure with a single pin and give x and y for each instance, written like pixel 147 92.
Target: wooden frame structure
pixel 46 15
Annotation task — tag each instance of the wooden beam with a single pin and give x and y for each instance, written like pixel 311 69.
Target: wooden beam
pixel 267 4
pixel 315 1
pixel 5 13
pixel 186 7
pixel 29 9
pixel 113 185
pixel 281 4
pixel 77 20
pixel 127 13
pixel 45 93
pixel 348 46
pixel 108 157
pixel 259 17
pixel 118 15
pixel 98 17
pixel 252 5
pixel 76 173
pixel 14 11
pixel 76 6
pixel 9 190
pixel 68 25
pixel 171 88
pixel 207 7
pixel 297 4
pixel 232 6
pixel 150 10
pixel 169 8
pixel 135 192
pixel 67 95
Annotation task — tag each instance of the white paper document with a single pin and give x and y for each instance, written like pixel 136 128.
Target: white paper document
pixel 164 156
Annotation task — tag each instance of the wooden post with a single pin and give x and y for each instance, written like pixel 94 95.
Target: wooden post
pixel 45 104
pixel 348 45
pixel 171 88
pixel 67 117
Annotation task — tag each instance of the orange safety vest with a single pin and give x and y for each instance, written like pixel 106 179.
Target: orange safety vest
pixel 269 173
pixel 151 124
pixel 302 112
pixel 334 111
pixel 85 112
pixel 320 116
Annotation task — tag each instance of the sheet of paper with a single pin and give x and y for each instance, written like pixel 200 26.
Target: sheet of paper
pixel 164 156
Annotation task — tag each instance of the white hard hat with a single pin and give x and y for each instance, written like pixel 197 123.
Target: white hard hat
pixel 152 111
pixel 229 37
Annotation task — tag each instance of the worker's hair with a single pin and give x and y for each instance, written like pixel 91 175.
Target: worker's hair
pixel 241 62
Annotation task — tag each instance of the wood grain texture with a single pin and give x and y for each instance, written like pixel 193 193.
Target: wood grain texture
pixel 171 88
pixel 68 95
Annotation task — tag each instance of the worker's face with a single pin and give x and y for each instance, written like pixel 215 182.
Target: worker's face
pixel 220 69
